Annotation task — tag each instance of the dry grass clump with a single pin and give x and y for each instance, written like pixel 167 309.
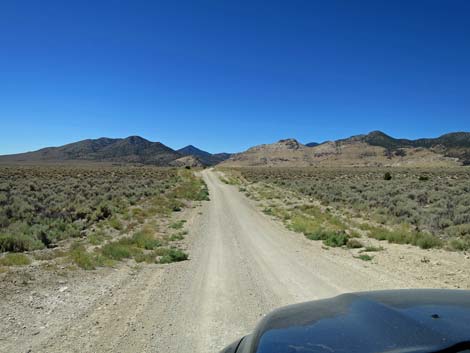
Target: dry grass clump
pixel 354 244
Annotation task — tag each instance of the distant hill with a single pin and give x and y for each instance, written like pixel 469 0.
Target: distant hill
pixel 454 144
pixel 206 158
pixel 375 148
pixel 378 138
pixel 312 144
pixel 133 149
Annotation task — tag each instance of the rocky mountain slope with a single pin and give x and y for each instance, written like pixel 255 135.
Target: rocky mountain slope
pixel 455 144
pixel 375 148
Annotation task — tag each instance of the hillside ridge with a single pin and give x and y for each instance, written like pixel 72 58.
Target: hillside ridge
pixel 131 149
pixel 375 148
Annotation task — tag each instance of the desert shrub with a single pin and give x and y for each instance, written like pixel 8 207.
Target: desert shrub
pixel 230 180
pixel 103 211
pixel 425 240
pixel 97 237
pixel 268 211
pixel 306 225
pixel 421 239
pixel 13 259
pixel 335 239
pixel 460 244
pixel 387 176
pixel 177 236
pixel 82 258
pixel 400 153
pixel 115 223
pixel 145 240
pixel 148 257
pixel 178 224
pixel 364 257
pixel 19 242
pixel 461 230
pixel 117 251
pixel 171 255
pixel 354 244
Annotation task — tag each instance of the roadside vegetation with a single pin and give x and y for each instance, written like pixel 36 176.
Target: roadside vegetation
pixel 425 207
pixel 94 216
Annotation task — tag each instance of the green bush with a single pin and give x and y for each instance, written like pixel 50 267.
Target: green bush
pixel 364 257
pixel 177 236
pixel 97 237
pixel 82 258
pixel 171 255
pixel 335 239
pixel 19 242
pixel 178 224
pixel 426 240
pixel 145 257
pixel 13 259
pixel 115 223
pixel 302 224
pixel 117 251
pixel 145 240
pixel 421 239
pixel 460 244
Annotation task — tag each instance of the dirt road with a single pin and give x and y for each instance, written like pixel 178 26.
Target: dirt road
pixel 242 265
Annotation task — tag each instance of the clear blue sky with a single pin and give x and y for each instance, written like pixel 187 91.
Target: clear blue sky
pixel 226 75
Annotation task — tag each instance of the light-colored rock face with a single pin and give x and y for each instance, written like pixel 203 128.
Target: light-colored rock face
pixel 280 146
pixel 187 161
pixel 353 152
pixel 325 149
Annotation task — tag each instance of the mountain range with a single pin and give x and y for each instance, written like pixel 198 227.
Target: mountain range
pixel 372 149
pixel 133 149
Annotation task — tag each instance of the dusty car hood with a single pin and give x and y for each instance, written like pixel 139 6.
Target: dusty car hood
pixel 383 321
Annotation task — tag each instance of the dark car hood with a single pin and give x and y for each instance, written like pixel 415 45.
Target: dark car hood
pixel 384 321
